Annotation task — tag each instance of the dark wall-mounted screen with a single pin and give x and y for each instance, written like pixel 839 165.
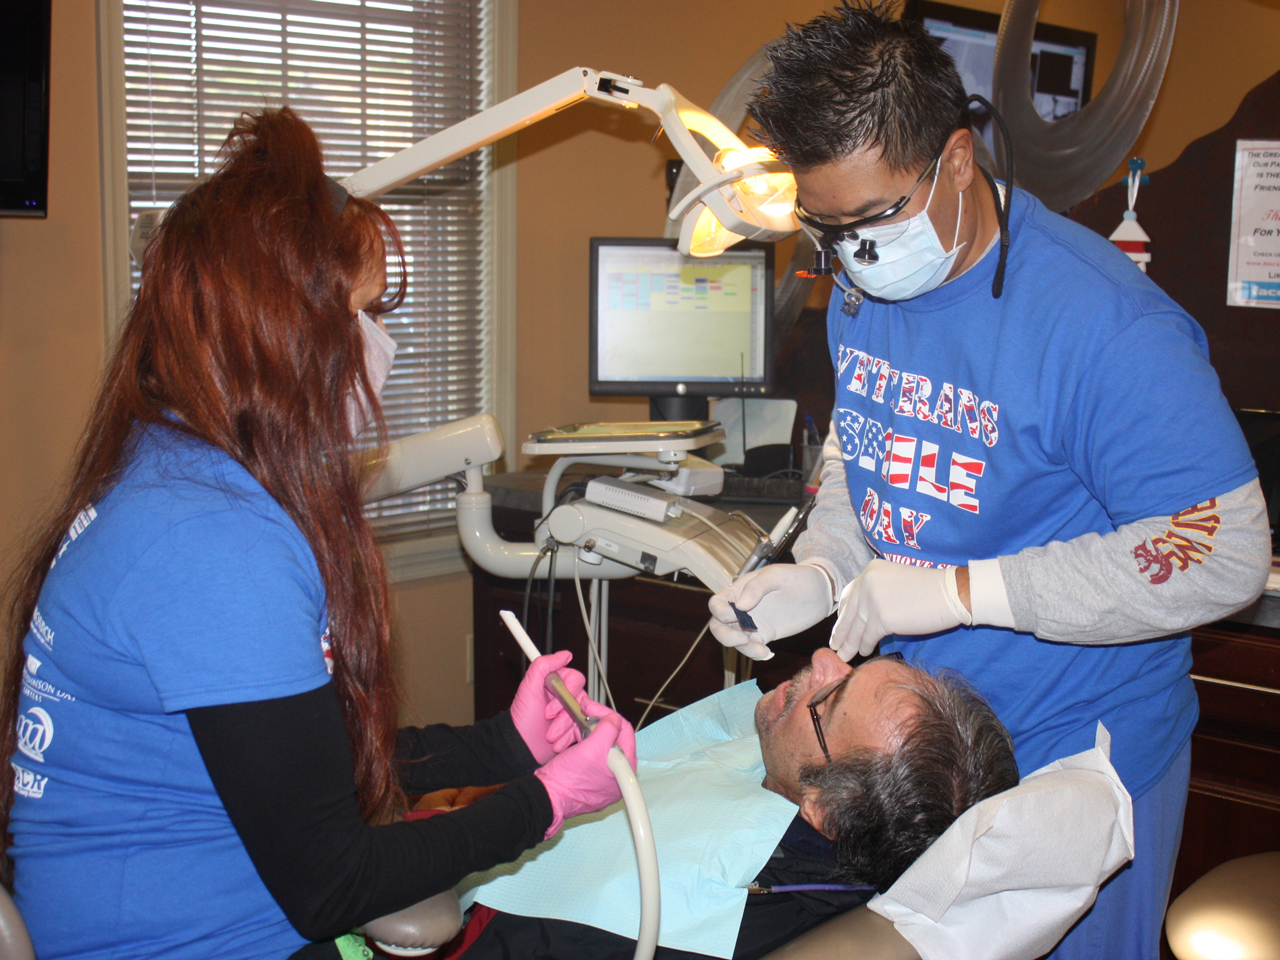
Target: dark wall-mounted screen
pixel 1061 70
pixel 24 108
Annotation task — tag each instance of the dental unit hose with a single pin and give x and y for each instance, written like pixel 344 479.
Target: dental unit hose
pixel 637 811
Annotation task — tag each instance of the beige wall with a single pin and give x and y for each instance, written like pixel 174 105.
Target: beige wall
pixel 432 625
pixel 51 328
pixel 589 171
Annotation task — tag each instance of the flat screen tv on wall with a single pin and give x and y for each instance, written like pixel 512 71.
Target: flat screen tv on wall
pixel 24 109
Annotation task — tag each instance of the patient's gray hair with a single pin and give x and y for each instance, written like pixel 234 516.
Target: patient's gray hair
pixel 885 809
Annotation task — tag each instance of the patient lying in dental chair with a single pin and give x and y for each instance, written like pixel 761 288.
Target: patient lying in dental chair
pixel 879 760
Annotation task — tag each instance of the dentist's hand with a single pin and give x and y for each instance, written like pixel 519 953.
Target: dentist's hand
pixel 893 598
pixel 540 718
pixel 579 779
pixel 782 598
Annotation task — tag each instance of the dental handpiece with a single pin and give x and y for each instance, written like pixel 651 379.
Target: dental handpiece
pixel 553 683
pixel 769 547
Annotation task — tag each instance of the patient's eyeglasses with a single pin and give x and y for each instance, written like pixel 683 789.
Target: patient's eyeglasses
pixel 822 696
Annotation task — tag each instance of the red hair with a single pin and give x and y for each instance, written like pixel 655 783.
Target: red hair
pixel 243 330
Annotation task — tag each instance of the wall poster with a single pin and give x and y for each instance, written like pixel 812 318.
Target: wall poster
pixel 1253 273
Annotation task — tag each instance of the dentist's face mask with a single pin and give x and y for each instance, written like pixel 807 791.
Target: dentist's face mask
pixel 379 354
pixel 911 260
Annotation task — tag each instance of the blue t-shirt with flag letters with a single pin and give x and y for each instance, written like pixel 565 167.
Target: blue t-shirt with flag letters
pixel 1080 400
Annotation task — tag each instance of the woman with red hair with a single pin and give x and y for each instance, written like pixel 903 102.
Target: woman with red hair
pixel 199 707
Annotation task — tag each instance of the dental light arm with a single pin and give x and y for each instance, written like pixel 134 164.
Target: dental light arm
pixel 736 188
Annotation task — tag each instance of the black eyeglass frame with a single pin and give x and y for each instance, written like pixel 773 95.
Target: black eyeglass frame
pixel 831 234
pixel 817 720
pixel 825 695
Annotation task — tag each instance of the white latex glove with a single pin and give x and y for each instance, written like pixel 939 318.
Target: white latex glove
pixel 782 599
pixel 895 598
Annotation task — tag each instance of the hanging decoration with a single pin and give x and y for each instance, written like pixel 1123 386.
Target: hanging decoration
pixel 1129 236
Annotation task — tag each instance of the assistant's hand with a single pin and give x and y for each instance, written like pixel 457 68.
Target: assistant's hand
pixel 579 780
pixel 782 598
pixel 895 598
pixel 540 718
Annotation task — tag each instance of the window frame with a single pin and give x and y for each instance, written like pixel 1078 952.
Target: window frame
pixel 431 555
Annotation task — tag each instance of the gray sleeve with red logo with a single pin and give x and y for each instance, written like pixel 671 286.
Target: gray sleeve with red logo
pixel 1146 579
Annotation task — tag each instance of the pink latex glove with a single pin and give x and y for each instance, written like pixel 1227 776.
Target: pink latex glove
pixel 540 718
pixel 579 780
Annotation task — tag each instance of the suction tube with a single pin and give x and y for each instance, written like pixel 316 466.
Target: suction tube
pixel 1065 161
pixel 632 798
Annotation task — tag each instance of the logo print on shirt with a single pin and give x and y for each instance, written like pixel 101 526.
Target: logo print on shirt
pixel 326 648
pixel 35 733
pixel 78 526
pixel 41 630
pixel 37 688
pixel 26 783
pixel 1157 557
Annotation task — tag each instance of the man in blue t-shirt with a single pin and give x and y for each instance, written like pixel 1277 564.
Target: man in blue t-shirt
pixel 1032 475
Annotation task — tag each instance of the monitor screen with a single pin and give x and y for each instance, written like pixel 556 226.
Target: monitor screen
pixel 24 109
pixel 1061 59
pixel 667 325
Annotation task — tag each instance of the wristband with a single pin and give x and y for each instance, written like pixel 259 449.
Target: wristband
pixel 952 592
pixel 987 594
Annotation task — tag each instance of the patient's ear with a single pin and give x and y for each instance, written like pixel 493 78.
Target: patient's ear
pixel 812 811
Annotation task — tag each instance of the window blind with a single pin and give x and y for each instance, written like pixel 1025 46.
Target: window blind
pixel 371 77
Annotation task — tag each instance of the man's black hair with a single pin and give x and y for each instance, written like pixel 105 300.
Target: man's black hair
pixel 885 809
pixel 854 78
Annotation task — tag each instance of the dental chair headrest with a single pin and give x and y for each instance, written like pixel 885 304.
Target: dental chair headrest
pixel 1013 873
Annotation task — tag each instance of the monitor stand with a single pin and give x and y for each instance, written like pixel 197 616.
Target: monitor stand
pixel 678 408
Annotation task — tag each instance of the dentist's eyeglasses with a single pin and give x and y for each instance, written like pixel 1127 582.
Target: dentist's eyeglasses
pixel 830 234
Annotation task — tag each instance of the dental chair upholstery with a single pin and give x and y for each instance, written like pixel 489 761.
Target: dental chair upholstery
pixel 1232 911
pixel 418 929
pixel 414 931
pixel 1004 882
pixel 15 942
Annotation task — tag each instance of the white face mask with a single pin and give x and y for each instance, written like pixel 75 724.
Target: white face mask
pixel 379 354
pixel 912 261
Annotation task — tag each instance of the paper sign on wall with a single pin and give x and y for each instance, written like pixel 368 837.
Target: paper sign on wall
pixel 1253 274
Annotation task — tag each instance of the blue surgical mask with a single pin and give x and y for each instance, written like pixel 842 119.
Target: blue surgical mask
pixel 912 261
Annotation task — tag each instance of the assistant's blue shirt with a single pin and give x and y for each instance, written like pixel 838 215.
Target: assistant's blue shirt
pixel 185 586
pixel 972 427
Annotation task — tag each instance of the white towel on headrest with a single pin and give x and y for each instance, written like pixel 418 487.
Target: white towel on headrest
pixel 1013 873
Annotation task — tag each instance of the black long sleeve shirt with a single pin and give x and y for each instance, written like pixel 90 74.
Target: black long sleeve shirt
pixel 283 769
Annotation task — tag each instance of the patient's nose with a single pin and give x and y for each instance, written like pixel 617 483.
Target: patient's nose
pixel 828 667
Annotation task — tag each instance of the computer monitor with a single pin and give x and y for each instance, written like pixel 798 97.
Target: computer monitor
pixel 1061 72
pixel 680 329
pixel 24 108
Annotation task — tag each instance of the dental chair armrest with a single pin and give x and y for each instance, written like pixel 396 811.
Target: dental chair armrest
pixel 15 942
pixel 856 935
pixel 418 929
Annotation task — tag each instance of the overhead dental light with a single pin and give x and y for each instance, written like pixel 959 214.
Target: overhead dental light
pixel 763 195
pixel 742 192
